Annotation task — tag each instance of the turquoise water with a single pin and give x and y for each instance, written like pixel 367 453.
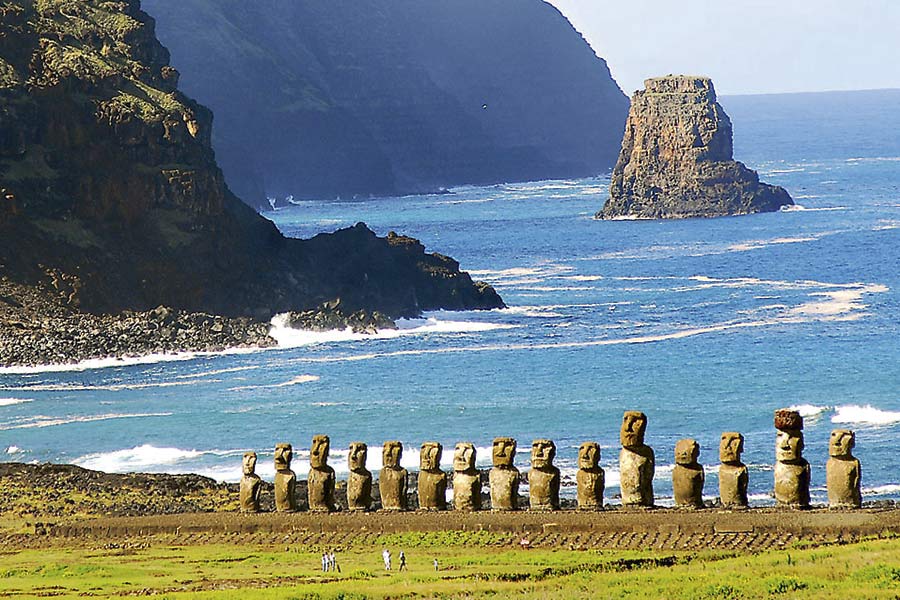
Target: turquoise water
pixel 705 325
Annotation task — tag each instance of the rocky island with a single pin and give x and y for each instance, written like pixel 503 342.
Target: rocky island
pixel 118 234
pixel 677 158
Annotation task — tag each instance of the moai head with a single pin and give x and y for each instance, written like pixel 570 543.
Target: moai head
pixel 318 453
pixel 842 443
pixel 542 454
pixel 789 440
pixel 249 463
pixel 504 451
pixel 359 452
pixel 284 454
pixel 464 457
pixel 687 452
pixel 589 456
pixel 430 456
pixel 731 447
pixel 391 454
pixel 634 424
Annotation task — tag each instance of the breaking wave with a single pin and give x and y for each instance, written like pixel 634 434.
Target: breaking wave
pixel 864 415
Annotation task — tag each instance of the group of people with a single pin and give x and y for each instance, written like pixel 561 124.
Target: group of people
pixel 329 562
pixel 388 558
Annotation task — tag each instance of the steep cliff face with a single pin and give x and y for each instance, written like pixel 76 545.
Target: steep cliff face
pixel 347 97
pixel 677 158
pixel 111 199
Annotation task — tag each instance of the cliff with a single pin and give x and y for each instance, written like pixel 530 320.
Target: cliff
pixel 381 97
pixel 111 199
pixel 677 158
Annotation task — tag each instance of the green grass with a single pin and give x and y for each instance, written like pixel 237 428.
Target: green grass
pixel 866 570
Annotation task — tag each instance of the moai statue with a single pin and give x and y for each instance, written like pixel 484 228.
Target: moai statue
pixel 466 479
pixel 688 477
pixel 791 469
pixel 285 480
pixel 590 478
pixel 504 476
pixel 320 482
pixel 543 478
pixel 843 471
pixel 636 462
pixel 251 485
pixel 733 474
pixel 432 481
pixel 392 479
pixel 359 482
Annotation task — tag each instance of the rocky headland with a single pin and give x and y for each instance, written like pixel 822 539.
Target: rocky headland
pixel 112 205
pixel 677 158
pixel 388 97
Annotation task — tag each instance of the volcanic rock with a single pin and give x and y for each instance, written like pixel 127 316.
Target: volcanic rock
pixel 677 158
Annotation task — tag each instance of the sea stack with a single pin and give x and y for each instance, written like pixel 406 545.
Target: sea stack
pixel 677 158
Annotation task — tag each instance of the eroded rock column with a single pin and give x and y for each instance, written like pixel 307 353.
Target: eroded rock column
pixel 792 472
pixel 843 471
pixel 590 478
pixel 733 475
pixel 466 479
pixel 636 462
pixel 504 476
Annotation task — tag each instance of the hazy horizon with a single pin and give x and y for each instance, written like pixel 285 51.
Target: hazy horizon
pixel 755 47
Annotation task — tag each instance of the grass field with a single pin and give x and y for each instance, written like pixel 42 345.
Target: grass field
pixel 468 569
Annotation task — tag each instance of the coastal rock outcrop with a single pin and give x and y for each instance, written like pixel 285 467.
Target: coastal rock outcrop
pixel 386 97
pixel 111 200
pixel 677 158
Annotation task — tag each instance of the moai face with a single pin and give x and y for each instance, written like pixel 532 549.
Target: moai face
pixel 687 452
pixel 430 456
pixel 542 454
pixel 634 424
pixel 589 456
pixel 249 463
pixel 731 447
pixel 391 454
pixel 504 451
pixel 842 443
pixel 788 445
pixel 284 454
pixel 359 452
pixel 318 453
pixel 464 457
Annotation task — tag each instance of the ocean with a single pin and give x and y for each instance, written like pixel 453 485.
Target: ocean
pixel 705 325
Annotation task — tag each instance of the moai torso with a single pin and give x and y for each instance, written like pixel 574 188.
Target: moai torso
pixel 590 477
pixel 285 480
pixel 251 485
pixel 359 481
pixel 504 476
pixel 687 477
pixel 543 478
pixel 636 462
pixel 792 472
pixel 733 475
pixel 320 481
pixel 843 472
pixel 432 485
pixel 466 479
pixel 392 482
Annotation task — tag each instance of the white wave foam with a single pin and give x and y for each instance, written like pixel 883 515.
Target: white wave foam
pixel 585 277
pixel 300 379
pixel 41 421
pixel 864 415
pixel 14 401
pixel 809 410
pixel 838 302
pixel 217 372
pixel 288 337
pixel 13 450
pixel 799 208
pixel 882 490
pixel 874 159
pixel 886 225
pixel 116 387
pixel 758 244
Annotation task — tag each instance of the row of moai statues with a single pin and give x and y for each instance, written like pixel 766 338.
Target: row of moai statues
pixel 636 465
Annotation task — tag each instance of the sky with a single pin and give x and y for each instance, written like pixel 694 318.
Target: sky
pixel 746 46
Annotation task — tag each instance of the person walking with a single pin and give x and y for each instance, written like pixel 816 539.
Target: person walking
pixel 333 559
pixel 435 564
pixel 402 562
pixel 324 562
pixel 386 555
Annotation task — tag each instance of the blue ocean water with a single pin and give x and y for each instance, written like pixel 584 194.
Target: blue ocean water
pixel 705 325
